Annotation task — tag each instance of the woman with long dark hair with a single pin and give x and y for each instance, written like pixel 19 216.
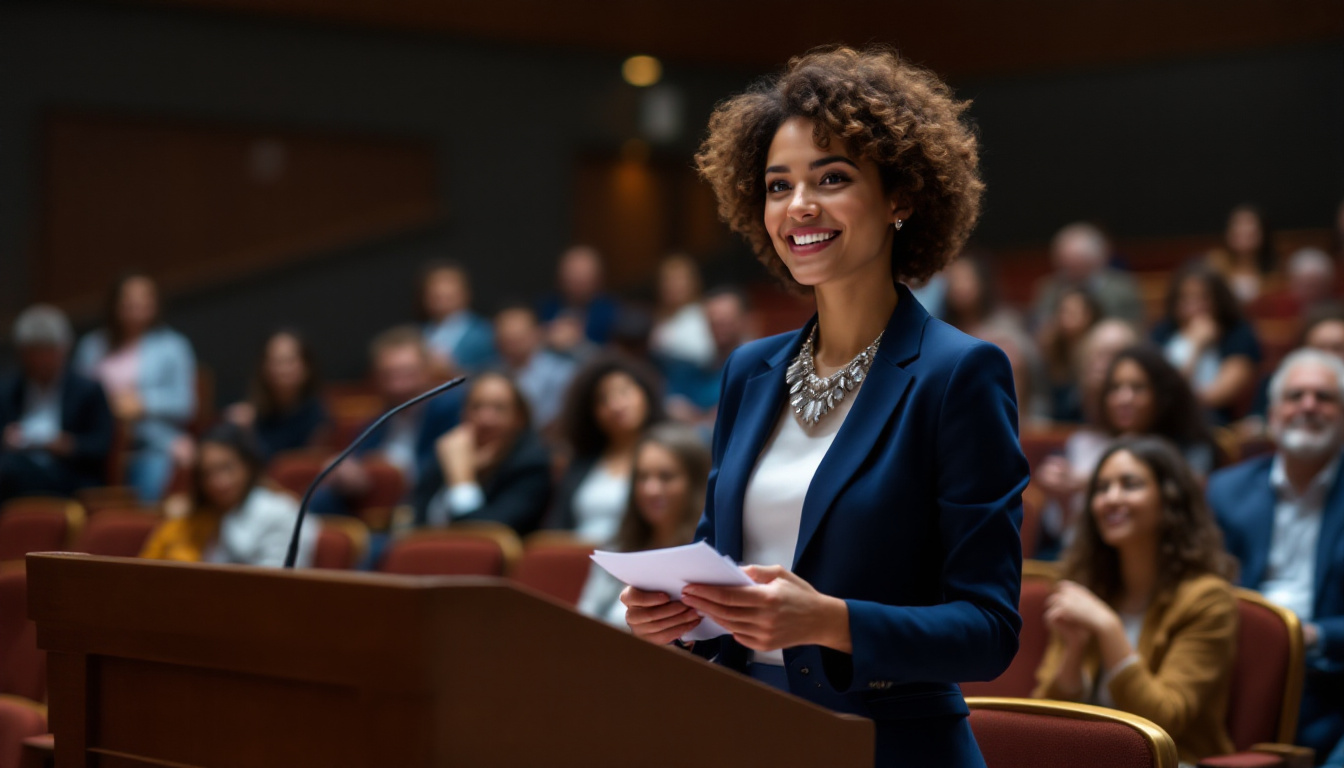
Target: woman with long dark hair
pixel 233 517
pixel 284 409
pixel 149 373
pixel 1145 620
pixel 1206 336
pixel 667 493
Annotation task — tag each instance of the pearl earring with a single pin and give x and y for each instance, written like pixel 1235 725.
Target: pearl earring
pixel 898 224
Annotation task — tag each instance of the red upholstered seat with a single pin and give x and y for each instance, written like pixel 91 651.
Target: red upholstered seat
pixel 478 550
pixel 19 719
pixel 37 525
pixel 388 485
pixel 1038 581
pixel 555 564
pixel 295 470
pixel 23 668
pixel 1022 733
pixel 342 542
pixel 117 532
pixel 1261 675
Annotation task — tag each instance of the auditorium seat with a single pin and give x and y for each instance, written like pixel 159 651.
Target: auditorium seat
pixel 479 549
pixel 20 719
pixel 1038 444
pixel 23 668
pixel 342 542
pixel 1031 733
pixel 1266 687
pixel 294 470
pixel 388 485
pixel 38 524
pixel 98 498
pixel 117 532
pixel 1038 581
pixel 554 563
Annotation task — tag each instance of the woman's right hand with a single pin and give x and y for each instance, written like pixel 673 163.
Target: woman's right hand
pixel 656 617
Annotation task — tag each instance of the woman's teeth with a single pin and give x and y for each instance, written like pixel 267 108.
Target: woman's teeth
pixel 813 238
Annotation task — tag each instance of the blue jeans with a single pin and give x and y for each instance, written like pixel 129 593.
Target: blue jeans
pixel 149 471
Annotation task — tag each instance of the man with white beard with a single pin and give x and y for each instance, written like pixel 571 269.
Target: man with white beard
pixel 1283 517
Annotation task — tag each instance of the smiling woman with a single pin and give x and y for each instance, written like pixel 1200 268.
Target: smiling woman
pixel 866 466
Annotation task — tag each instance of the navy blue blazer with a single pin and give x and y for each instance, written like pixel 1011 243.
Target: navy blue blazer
pixel 912 518
pixel 1243 501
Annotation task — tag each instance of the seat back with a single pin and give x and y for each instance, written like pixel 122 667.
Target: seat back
pixel 117 532
pixel 1029 733
pixel 481 549
pixel 19 719
pixel 1038 581
pixel 342 542
pixel 23 668
pixel 554 563
pixel 37 524
pixel 295 470
pixel 1267 673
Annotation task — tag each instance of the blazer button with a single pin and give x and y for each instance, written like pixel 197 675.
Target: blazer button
pixel 804 671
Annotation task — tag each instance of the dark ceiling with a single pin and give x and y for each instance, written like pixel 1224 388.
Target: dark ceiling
pixel 959 38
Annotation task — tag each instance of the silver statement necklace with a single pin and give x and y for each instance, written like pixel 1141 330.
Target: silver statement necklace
pixel 811 396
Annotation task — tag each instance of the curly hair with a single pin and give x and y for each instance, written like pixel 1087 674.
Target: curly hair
pixel 891 112
pixel 578 420
pixel 1190 543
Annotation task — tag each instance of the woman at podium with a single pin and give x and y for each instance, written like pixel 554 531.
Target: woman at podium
pixel 867 465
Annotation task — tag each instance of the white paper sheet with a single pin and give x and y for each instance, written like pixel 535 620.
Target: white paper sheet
pixel 670 570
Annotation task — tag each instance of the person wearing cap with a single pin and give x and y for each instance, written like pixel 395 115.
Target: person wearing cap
pixel 55 425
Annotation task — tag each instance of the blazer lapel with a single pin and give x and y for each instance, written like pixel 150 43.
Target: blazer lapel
pixel 762 398
pixel 1253 571
pixel 874 407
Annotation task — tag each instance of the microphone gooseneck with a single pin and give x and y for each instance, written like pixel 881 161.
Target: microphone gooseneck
pixel 293 553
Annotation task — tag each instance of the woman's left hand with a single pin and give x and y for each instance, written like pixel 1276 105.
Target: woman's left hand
pixel 780 611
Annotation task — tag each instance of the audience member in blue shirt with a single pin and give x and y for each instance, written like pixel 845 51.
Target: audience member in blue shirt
pixel 693 390
pixel 580 311
pixel 148 371
pixel 55 426
pixel 459 339
pixel 542 376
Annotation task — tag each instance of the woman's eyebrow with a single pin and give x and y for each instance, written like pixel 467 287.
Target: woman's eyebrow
pixel 815 164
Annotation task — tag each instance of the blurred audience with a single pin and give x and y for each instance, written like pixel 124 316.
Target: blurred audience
pixel 612 400
pixel 579 314
pixel 232 517
pixel 540 374
pixel 1145 620
pixel 1323 329
pixel 285 410
pixel 1141 394
pixel 681 328
pixel 402 369
pixel 667 494
pixel 148 371
pixel 1206 337
pixel 459 340
pixel 1080 253
pixel 490 467
pixel 1060 338
pixel 693 390
pixel 1283 516
pixel 55 425
pixel 1246 259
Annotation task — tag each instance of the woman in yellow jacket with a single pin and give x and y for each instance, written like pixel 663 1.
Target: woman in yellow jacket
pixel 1145 620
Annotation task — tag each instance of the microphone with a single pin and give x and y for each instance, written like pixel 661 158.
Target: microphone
pixel 293 553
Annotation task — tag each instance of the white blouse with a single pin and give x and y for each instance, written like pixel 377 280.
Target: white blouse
pixel 773 509
pixel 599 505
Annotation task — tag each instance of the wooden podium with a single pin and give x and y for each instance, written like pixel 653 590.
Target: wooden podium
pixel 163 664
